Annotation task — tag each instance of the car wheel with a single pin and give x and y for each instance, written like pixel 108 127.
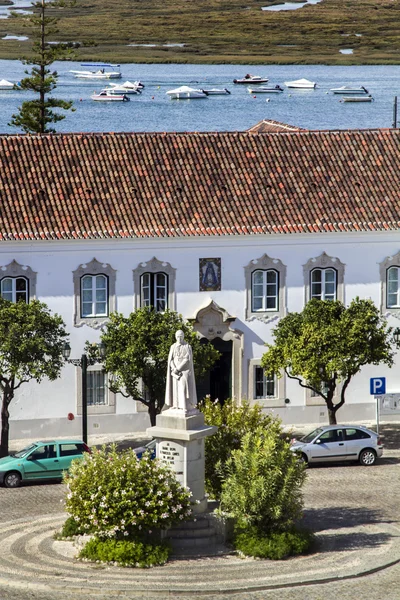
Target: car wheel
pixel 304 459
pixel 367 457
pixel 12 479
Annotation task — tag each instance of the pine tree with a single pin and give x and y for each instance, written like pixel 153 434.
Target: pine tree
pixel 35 115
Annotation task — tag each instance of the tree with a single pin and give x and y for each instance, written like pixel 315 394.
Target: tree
pixel 327 344
pixel 137 350
pixel 35 115
pixel 31 344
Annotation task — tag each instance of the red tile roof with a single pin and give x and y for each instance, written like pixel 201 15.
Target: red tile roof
pixel 198 184
pixel 269 126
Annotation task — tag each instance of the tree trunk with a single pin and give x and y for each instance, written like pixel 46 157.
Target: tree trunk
pixel 5 427
pixel 153 412
pixel 332 416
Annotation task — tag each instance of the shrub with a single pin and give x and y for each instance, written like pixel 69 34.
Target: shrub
pixel 127 553
pixel 275 546
pixel 70 529
pixel 233 423
pixel 117 495
pixel 263 484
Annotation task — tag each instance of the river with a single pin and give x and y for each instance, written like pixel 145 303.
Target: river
pixel 153 110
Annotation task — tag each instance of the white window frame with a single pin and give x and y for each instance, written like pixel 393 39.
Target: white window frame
pixel 266 382
pixel 14 290
pixel 324 295
pixel 93 268
pixel 153 267
pixel 265 263
pixel 323 261
pixel 265 295
pixel 153 288
pixel 109 406
pixel 278 400
pixel 93 390
pixel 16 271
pixel 94 302
pixel 384 268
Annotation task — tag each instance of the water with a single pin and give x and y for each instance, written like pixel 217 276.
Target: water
pixel 289 5
pixel 153 110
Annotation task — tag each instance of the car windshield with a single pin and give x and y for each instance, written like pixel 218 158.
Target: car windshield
pixel 24 452
pixel 310 436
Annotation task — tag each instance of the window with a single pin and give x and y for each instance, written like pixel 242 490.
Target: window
pixel 356 434
pixel 154 285
pixel 71 449
pixel 96 388
pixel 264 293
pixel 18 282
pixel 324 390
pixel 154 290
pixel 392 288
pixel 15 289
pixel 94 295
pixel 324 278
pixel 265 385
pixel 323 284
pixel 265 288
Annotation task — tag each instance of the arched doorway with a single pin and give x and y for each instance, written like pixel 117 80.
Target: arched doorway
pixel 218 382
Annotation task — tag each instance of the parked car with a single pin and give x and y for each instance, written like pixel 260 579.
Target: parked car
pixel 334 443
pixel 40 460
pixel 149 447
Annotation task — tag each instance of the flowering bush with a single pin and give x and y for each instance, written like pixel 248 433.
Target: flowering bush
pixel 116 495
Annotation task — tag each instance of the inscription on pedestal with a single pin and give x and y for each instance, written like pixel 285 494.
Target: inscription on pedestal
pixel 171 455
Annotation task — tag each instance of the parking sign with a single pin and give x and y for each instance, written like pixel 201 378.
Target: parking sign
pixel 377 386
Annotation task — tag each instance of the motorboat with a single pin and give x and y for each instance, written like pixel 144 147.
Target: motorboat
pixel 216 91
pixel 301 84
pixel 105 96
pixel 368 98
pixel 263 89
pixel 7 85
pixel 348 89
pixel 100 72
pixel 185 92
pixel 251 79
pixel 124 88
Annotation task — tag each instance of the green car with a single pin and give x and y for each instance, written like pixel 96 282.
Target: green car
pixel 40 460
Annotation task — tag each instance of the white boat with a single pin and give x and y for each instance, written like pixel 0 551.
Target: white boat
pixel 251 79
pixel 7 85
pixel 263 89
pixel 100 72
pixel 357 99
pixel 301 84
pixel 348 89
pixel 124 88
pixel 185 92
pixel 104 96
pixel 216 91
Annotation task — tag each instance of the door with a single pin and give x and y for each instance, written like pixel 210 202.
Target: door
pixel 67 452
pixel 218 382
pixel 329 446
pixel 42 463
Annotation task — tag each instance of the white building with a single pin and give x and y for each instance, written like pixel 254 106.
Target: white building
pixel 232 230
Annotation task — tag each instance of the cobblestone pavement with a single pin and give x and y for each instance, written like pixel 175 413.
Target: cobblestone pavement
pixel 353 510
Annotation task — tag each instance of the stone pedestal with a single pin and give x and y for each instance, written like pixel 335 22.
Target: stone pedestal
pixel 180 445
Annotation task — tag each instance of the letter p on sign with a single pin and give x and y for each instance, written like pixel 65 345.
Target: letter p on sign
pixel 377 386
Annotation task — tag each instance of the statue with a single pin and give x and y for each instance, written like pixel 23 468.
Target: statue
pixel 180 390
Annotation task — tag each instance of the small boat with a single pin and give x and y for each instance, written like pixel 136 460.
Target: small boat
pixel 263 89
pixel 348 89
pixel 100 73
pixel 216 92
pixel 251 79
pixel 124 88
pixel 301 84
pixel 8 85
pixel 105 96
pixel 185 92
pixel 357 99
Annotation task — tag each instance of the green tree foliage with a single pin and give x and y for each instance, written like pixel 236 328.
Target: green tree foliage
pixel 137 348
pixel 35 115
pixel 327 344
pixel 31 344
pixel 262 489
pixel 233 422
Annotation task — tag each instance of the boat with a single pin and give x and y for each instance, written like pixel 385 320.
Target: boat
pixel 348 89
pixel 301 84
pixel 263 89
pixel 124 88
pixel 100 73
pixel 105 96
pixel 7 85
pixel 185 92
pixel 216 91
pixel 251 79
pixel 357 99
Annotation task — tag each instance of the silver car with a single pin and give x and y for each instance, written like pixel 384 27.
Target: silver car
pixel 339 443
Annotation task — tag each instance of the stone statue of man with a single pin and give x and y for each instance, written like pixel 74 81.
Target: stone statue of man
pixel 180 390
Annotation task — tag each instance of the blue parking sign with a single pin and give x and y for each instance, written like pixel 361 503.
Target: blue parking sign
pixel 377 386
